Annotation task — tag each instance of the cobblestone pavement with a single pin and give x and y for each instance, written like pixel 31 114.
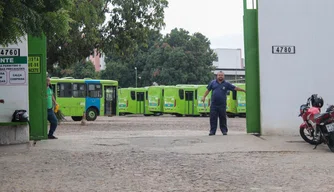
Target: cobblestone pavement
pixel 164 154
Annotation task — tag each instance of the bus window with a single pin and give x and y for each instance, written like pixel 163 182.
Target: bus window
pixel 79 90
pixel 133 95
pixel 140 96
pixel 109 93
pixel 181 94
pixel 65 90
pixel 146 95
pixel 94 90
pixel 234 95
pixel 163 92
pixel 53 87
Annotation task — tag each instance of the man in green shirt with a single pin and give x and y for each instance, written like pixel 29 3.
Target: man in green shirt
pixel 51 115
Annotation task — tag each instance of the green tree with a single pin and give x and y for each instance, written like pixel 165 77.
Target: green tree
pixel 123 68
pixel 176 58
pixel 83 70
pixel 80 70
pixel 84 36
pixel 130 25
pixel 34 17
pixel 181 59
pixel 119 70
pixel 127 29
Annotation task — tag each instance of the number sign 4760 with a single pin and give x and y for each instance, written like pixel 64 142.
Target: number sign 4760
pixel 9 52
pixel 283 49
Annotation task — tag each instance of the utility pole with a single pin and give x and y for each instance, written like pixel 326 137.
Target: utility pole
pixel 136 76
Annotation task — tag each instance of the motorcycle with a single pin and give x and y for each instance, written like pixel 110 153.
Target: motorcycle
pixel 306 129
pixel 320 126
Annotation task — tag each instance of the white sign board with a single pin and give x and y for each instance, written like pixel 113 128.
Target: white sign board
pixel 13 79
pixel 296 60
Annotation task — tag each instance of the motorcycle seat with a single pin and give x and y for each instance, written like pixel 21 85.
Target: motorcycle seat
pixel 320 115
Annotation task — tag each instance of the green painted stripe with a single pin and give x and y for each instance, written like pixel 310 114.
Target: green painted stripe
pixel 12 123
pixel 13 60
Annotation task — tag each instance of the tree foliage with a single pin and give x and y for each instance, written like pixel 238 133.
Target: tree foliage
pixel 177 58
pixel 34 17
pixel 80 70
pixel 130 24
pixel 84 36
pixel 127 29
pixel 181 59
pixel 123 68
pixel 74 28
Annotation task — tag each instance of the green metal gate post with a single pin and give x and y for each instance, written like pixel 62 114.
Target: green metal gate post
pixel 37 87
pixel 251 47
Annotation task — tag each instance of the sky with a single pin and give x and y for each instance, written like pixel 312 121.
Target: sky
pixel 218 20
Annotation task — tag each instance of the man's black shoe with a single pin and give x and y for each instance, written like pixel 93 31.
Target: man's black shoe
pixel 211 134
pixel 224 133
pixel 52 137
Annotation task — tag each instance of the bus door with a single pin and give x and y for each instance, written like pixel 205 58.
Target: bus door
pixel 110 100
pixel 93 101
pixel 189 103
pixel 140 102
pixel 234 102
pixel 231 103
pixel 146 103
pixel 64 96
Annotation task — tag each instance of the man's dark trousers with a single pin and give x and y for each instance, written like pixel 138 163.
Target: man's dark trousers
pixel 215 113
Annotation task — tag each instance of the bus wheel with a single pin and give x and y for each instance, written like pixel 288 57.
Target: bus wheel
pixel 76 118
pixel 230 115
pixel 91 114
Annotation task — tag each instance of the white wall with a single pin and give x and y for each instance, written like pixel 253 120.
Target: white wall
pixel 287 80
pixel 228 58
pixel 14 90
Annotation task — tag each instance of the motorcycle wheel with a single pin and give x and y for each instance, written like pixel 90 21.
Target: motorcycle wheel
pixel 307 139
pixel 330 143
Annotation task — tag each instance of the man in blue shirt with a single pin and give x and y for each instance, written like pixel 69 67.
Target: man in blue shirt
pixel 219 88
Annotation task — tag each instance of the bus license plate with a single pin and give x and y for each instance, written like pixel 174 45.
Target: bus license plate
pixel 330 127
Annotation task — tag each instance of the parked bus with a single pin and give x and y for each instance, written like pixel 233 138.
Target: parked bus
pixel 90 96
pixel 180 100
pixel 231 103
pixel 203 108
pixel 156 99
pixel 134 101
pixel 125 103
pixel 241 100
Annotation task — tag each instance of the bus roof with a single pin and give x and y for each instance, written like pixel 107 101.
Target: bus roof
pixel 71 80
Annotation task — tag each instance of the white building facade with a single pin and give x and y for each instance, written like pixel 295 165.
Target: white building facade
pixel 295 60
pixel 230 61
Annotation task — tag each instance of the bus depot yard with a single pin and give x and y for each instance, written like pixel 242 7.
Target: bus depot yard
pixel 96 97
pixel 163 153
